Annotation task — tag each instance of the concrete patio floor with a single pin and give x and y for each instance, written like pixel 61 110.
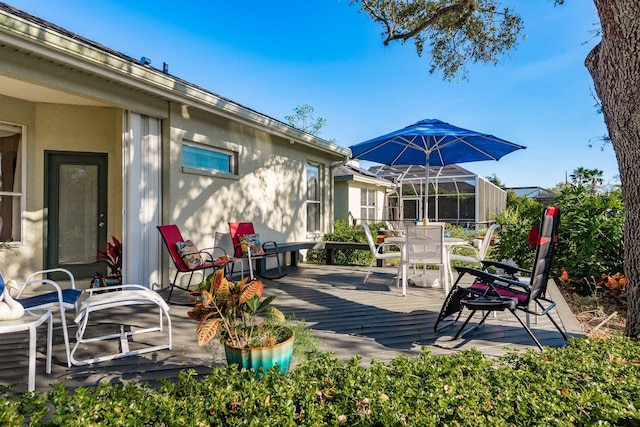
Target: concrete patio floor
pixel 374 321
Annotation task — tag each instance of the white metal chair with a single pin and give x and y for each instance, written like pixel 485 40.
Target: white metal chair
pixel 380 253
pixel 478 253
pixel 107 298
pixel 63 299
pixel 425 246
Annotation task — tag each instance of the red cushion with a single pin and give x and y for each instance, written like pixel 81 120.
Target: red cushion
pixel 534 234
pixel 522 298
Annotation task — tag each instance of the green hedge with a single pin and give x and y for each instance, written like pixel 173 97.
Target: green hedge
pixel 591 382
pixel 344 232
pixel 590 236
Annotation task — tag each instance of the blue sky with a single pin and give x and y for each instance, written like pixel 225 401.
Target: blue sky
pixel 273 56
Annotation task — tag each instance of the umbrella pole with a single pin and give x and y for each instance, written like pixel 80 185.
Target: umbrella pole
pixel 426 190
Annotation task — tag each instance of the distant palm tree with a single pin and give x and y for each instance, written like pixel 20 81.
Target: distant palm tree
pixel 583 176
pixel 578 177
pixel 595 179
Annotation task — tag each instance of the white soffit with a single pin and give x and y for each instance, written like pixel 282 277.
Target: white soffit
pixel 36 93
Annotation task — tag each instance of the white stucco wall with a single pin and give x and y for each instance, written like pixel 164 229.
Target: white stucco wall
pixel 270 189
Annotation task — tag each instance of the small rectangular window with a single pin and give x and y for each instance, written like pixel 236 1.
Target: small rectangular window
pixel 202 158
pixel 367 205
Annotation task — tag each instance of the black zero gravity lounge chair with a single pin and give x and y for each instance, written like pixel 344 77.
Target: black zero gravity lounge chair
pixel 492 292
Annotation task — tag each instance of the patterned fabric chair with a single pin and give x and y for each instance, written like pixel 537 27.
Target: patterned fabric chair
pixel 248 245
pixel 187 258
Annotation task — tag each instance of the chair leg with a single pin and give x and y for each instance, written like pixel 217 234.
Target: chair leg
pixel 368 271
pixel 547 311
pixel 464 325
pixel 174 285
pixel 65 334
pixel 462 334
pixel 524 325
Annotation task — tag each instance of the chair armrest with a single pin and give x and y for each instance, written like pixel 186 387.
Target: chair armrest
pixel 270 244
pixel 23 285
pixel 219 248
pixel 385 245
pixel 494 281
pixel 467 246
pixel 208 255
pixel 508 268
pixel 91 291
pixel 54 270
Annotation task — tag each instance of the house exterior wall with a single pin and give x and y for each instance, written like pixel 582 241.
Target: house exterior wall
pixel 57 127
pixel 341 201
pixel 270 189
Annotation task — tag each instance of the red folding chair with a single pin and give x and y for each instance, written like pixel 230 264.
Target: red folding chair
pixel 171 236
pixel 259 252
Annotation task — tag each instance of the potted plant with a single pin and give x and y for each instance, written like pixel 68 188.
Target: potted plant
pixel 113 257
pixel 252 331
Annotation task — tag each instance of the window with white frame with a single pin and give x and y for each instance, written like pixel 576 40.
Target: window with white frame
pixel 314 203
pixel 11 183
pixel 201 158
pixel 367 205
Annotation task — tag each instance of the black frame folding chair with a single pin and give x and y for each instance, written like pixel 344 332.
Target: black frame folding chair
pixel 492 292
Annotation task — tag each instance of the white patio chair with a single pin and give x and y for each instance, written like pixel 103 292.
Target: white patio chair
pixel 479 254
pixel 380 253
pixel 425 246
pixel 47 294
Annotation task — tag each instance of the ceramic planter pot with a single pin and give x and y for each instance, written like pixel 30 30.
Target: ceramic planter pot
pixel 262 357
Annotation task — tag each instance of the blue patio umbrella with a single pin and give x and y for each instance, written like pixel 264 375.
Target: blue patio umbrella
pixel 432 142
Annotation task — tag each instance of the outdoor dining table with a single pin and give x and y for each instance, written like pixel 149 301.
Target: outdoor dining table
pixel 449 244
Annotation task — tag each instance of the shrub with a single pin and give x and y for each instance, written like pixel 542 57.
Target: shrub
pixel 590 238
pixel 590 382
pixel 515 222
pixel 343 232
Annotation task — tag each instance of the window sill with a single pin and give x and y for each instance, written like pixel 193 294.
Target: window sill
pixel 205 172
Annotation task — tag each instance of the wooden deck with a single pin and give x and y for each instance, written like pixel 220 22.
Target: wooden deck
pixel 375 322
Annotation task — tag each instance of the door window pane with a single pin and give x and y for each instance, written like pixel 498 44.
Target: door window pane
pixel 78 214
